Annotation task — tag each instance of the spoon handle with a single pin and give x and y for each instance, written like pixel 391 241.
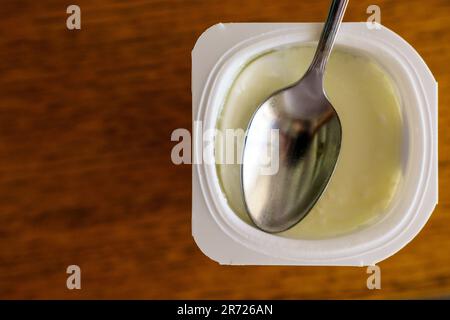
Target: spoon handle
pixel 328 35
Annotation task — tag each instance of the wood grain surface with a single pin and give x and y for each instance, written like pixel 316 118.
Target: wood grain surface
pixel 85 171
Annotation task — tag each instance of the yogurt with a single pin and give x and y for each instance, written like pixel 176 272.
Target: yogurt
pixel 368 170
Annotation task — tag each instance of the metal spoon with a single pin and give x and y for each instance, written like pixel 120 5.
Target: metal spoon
pixel 308 144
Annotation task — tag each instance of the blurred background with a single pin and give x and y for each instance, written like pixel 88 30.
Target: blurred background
pixel 85 171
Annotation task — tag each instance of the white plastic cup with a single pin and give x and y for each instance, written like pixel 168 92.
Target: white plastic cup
pixel 415 198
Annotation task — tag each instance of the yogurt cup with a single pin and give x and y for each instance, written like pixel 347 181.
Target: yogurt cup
pixel 225 237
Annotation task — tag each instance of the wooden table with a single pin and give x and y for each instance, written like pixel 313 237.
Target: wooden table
pixel 85 171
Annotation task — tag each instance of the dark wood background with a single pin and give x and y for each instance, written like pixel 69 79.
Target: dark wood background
pixel 85 170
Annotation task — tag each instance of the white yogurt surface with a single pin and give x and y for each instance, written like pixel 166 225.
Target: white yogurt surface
pixel 369 166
